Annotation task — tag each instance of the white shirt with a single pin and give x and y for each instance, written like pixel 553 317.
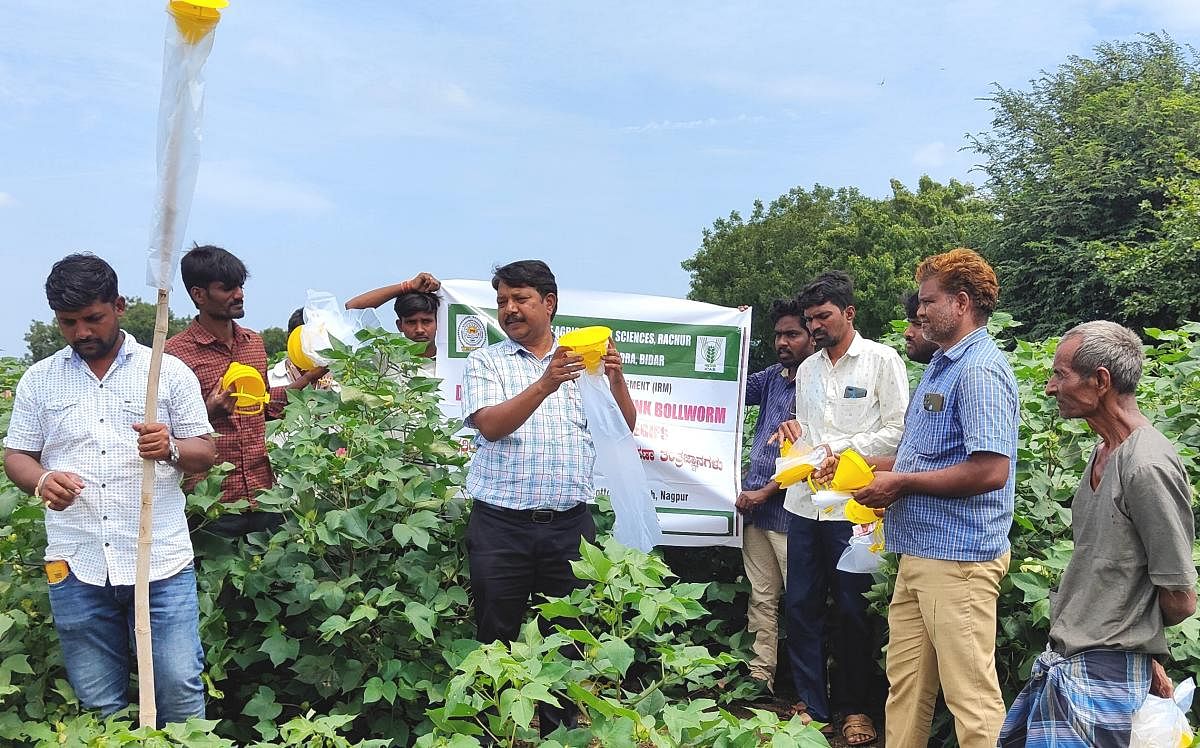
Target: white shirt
pixel 857 403
pixel 83 425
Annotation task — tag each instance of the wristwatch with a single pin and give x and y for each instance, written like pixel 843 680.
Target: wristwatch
pixel 172 451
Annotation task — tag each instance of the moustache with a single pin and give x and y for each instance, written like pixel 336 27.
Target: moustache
pixel 513 318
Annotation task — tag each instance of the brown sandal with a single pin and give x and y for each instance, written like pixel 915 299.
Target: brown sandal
pixel 801 710
pixel 858 729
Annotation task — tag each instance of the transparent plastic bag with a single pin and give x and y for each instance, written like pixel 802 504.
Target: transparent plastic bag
pixel 180 111
pixel 795 465
pixel 864 553
pixel 1163 723
pixel 326 320
pixel 618 461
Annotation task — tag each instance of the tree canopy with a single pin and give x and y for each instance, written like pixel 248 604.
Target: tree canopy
pixel 783 246
pixel 1094 175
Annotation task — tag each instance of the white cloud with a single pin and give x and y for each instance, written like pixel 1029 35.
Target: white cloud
pixel 931 155
pixel 236 185
pixel 7 200
pixel 693 124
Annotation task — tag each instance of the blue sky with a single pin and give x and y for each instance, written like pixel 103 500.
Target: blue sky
pixel 351 144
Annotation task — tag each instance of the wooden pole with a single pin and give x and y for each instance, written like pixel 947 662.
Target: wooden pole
pixel 194 20
pixel 147 708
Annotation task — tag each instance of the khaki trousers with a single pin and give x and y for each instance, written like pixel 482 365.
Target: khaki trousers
pixel 764 552
pixel 943 631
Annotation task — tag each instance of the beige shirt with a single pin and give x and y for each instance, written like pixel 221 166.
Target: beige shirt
pixel 858 403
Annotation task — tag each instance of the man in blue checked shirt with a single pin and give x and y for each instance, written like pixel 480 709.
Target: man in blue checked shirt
pixel 531 476
pixel 1131 574
pixel 949 493
pixel 765 521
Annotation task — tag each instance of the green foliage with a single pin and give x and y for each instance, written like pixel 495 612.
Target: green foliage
pixel 274 340
pixel 632 669
pixel 44 338
pixel 781 247
pixel 346 609
pixel 1092 170
pixel 349 626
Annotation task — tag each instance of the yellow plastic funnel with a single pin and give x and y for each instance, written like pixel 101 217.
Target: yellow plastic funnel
pixel 859 514
pixel 295 351
pixel 589 342
pixel 195 18
pixel 249 389
pixel 852 472
pixel 793 474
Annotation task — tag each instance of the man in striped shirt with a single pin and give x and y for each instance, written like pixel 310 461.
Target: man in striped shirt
pixel 764 520
pixel 949 493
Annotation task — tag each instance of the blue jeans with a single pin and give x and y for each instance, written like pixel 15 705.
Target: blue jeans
pixel 814 631
pixel 95 626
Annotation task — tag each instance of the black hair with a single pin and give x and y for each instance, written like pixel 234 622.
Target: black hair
pixel 295 320
pixel 533 274
pixel 408 304
pixel 781 308
pixel 834 286
pixel 207 264
pixel 910 302
pixel 80 280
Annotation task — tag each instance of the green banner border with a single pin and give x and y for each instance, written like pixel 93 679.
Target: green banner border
pixel 679 361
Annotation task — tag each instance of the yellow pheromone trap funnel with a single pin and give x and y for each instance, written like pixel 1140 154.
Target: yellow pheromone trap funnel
pixel 589 342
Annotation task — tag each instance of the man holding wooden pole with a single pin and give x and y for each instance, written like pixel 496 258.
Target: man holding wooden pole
pixel 76 441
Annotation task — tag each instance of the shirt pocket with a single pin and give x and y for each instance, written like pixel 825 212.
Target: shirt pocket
pixel 130 412
pixel 64 417
pixel 854 413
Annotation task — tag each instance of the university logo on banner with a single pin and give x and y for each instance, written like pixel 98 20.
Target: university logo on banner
pixel 710 353
pixel 471 333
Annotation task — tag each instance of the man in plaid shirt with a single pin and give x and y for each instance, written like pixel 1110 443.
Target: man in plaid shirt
pixel 214 279
pixel 531 476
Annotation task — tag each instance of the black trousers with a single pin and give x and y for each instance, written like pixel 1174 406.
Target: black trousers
pixel 814 630
pixel 518 555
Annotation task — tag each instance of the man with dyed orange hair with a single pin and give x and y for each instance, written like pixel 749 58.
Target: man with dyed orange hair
pixel 949 493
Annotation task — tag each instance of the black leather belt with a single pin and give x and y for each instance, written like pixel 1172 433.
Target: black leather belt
pixel 540 516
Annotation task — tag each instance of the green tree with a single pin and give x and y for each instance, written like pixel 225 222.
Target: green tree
pixel 44 338
pixel 274 340
pixel 1089 169
pixel 781 247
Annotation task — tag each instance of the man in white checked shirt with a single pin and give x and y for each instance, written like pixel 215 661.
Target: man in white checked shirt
pixel 531 476
pixel 76 441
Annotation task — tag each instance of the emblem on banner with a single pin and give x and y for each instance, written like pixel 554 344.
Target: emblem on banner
pixel 710 353
pixel 471 333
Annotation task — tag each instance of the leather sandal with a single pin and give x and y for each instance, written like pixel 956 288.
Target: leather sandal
pixel 858 729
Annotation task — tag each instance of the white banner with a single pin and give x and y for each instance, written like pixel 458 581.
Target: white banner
pixel 685 362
